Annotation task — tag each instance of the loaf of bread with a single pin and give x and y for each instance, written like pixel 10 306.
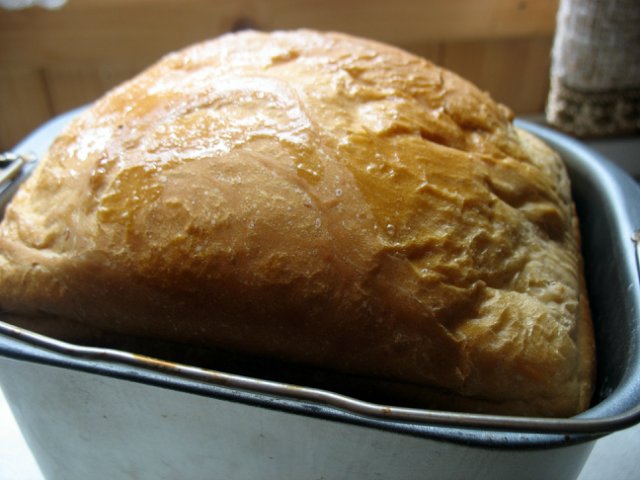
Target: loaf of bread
pixel 321 200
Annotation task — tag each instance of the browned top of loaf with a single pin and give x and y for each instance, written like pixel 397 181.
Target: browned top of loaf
pixel 321 199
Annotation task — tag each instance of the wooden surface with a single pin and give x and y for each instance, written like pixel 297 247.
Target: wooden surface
pixel 52 61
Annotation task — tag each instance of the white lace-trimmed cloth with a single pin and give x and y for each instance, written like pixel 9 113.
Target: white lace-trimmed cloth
pixel 595 71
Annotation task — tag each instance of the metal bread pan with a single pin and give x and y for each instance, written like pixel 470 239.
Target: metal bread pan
pixel 89 412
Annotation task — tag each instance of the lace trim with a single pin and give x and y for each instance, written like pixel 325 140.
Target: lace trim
pixel 592 113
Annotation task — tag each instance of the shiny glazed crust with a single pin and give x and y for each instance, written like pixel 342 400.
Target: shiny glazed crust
pixel 320 199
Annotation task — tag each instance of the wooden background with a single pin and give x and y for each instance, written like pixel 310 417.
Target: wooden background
pixel 52 61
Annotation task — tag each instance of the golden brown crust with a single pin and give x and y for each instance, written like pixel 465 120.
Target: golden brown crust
pixel 320 199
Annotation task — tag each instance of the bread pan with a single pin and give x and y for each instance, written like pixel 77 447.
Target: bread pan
pixel 101 413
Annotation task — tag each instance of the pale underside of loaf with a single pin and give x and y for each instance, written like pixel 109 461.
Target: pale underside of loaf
pixel 318 199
